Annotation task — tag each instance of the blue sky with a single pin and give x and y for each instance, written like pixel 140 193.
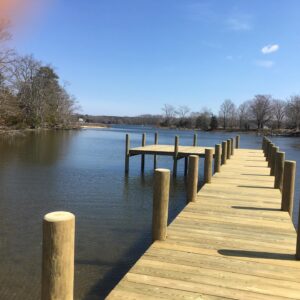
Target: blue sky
pixel 130 57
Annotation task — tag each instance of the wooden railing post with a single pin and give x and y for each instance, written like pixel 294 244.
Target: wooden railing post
pixel 160 204
pixel 271 145
pixel 58 256
pixel 195 140
pixel 228 148
pixel 155 156
pixel 232 146
pixel 217 164
pixel 175 158
pixel 143 155
pixel 208 165
pixel 224 152
pixel 273 157
pixel 192 180
pixel 279 167
pixel 288 187
pixel 127 157
pixel 298 238
pixel 237 142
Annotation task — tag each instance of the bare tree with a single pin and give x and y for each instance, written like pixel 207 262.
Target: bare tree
pixel 182 111
pixel 169 113
pixel 6 54
pixel 243 115
pixel 279 108
pixel 293 111
pixel 261 110
pixel 227 113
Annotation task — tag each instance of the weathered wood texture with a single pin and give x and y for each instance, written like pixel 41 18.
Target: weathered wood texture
pixel 234 242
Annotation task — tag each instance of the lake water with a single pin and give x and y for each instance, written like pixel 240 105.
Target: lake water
pixel 83 172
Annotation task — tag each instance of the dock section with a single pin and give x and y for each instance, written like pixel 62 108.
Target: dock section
pixel 234 242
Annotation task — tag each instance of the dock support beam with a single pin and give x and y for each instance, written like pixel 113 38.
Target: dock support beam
pixel 127 157
pixel 271 145
pixel 208 165
pixel 192 182
pixel 155 156
pixel 175 158
pixel 58 256
pixel 228 148
pixel 217 164
pixel 288 188
pixel 273 161
pixel 160 204
pixel 237 142
pixel 224 152
pixel 279 167
pixel 143 155
pixel 195 140
pixel 232 146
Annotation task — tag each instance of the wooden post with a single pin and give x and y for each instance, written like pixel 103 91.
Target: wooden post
pixel 228 149
pixel 224 152
pixel 271 145
pixel 217 164
pixel 175 158
pixel 298 238
pixel 237 142
pixel 155 156
pixel 160 204
pixel 273 155
pixel 232 146
pixel 192 182
pixel 143 155
pixel 268 145
pixel 208 165
pixel 279 167
pixel 58 256
pixel 127 157
pixel 288 187
pixel 195 140
pixel 186 163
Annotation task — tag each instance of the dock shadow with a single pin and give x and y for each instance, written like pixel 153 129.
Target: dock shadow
pixel 255 208
pixel 256 254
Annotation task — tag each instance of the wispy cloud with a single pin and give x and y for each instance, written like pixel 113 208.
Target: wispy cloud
pixel 265 63
pixel 270 49
pixel 239 23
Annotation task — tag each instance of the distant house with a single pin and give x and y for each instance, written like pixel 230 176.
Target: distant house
pixel 80 120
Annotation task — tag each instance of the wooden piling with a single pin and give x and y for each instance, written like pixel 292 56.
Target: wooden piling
pixel 208 165
pixel 160 204
pixel 232 146
pixel 155 156
pixel 271 145
pixel 273 156
pixel 143 155
pixel 279 167
pixel 127 157
pixel 237 142
pixel 195 140
pixel 175 158
pixel 58 256
pixel 228 148
pixel 217 164
pixel 224 152
pixel 298 238
pixel 288 187
pixel 192 182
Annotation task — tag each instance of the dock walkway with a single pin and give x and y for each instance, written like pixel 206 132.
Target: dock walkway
pixel 234 242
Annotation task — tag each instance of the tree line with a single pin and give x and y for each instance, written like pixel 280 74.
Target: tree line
pixel 31 95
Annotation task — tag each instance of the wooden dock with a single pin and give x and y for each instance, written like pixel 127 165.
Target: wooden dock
pixel 234 242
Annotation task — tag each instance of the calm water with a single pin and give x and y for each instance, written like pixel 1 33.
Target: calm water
pixel 83 172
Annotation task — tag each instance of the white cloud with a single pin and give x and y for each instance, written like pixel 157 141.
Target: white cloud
pixel 239 24
pixel 265 63
pixel 270 48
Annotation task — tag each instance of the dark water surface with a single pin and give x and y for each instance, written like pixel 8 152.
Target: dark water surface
pixel 83 172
